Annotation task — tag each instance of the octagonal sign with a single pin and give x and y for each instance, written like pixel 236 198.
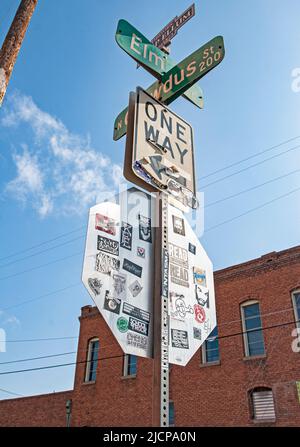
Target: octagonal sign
pixel 190 288
pixel 118 268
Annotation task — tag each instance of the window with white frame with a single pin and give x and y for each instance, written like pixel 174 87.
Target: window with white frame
pixel 130 365
pixel 252 329
pixel 92 360
pixel 262 404
pixel 210 348
pixel 296 305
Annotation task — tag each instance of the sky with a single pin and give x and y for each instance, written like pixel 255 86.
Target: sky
pixel 58 158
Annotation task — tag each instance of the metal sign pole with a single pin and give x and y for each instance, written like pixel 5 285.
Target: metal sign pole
pixel 160 414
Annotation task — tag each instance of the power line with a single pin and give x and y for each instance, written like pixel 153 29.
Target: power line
pixel 42 251
pixel 45 295
pixel 122 355
pixel 41 243
pixel 39 339
pixel 248 158
pixel 11 392
pixel 41 266
pixel 251 189
pixel 248 167
pixel 38 358
pixel 252 209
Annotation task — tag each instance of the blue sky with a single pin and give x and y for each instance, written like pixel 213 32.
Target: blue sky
pixel 58 158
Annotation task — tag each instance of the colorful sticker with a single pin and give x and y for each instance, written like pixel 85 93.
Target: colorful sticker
pixel 108 245
pixel 140 252
pixel 199 313
pixel 135 288
pixel 95 284
pixel 199 276
pixel 145 228
pixel 106 224
pixel 105 263
pixel 111 304
pixel 178 225
pixel 126 236
pixel 179 339
pixel 133 268
pixel 122 324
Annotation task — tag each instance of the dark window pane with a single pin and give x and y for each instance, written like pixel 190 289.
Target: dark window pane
pixel 132 364
pixel 212 347
pixel 171 413
pixel 255 338
pixel 92 364
pixel 297 304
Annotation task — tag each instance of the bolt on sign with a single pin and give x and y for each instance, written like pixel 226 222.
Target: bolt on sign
pixel 118 268
pixel 178 79
pixel 162 150
pixel 191 294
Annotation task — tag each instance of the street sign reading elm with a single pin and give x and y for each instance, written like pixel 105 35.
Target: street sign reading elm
pixel 118 268
pixel 190 289
pixel 163 152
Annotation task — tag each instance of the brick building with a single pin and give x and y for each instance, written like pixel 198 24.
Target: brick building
pixel 249 375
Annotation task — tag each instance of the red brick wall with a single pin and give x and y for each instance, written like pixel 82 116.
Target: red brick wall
pixel 203 395
pixel 47 410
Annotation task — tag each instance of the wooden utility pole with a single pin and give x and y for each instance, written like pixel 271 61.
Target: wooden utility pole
pixel 13 42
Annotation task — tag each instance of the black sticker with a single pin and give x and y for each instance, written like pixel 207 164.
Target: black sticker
pixel 145 228
pixel 126 236
pixel 136 312
pixel 111 304
pixel 178 225
pixel 197 333
pixel 202 296
pixel 108 245
pixel 95 284
pixel 192 248
pixel 179 339
pixel 133 268
pixel 138 326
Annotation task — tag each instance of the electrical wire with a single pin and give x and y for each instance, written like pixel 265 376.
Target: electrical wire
pixel 248 158
pixel 251 210
pixel 122 355
pixel 249 167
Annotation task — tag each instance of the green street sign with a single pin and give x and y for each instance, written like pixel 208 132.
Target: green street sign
pixel 142 50
pixel 152 59
pixel 180 79
pixel 191 69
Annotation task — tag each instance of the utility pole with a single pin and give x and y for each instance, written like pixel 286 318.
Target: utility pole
pixel 13 41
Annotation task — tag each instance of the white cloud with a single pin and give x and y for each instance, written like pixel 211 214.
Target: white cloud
pixel 61 172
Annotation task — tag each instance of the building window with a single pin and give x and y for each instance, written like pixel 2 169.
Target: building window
pixel 130 365
pixel 262 404
pixel 296 305
pixel 171 413
pixel 210 348
pixel 92 360
pixel 252 329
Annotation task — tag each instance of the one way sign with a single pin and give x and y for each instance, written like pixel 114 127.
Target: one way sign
pixel 162 149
